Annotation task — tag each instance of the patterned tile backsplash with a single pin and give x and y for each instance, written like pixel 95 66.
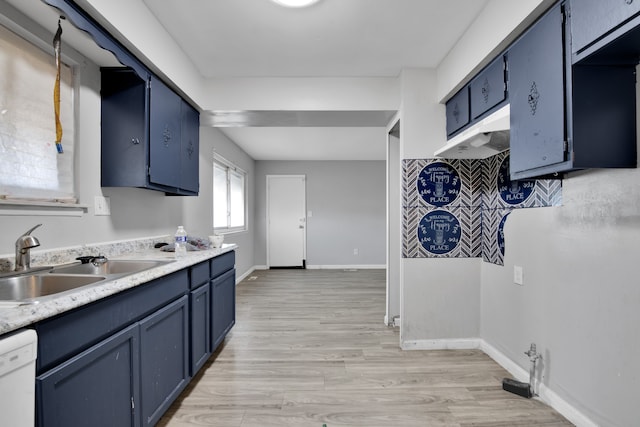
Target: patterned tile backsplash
pixel 457 208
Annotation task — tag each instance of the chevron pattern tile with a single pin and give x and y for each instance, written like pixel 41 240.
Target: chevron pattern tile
pixel 448 232
pixel 493 247
pixel 439 182
pixel 458 208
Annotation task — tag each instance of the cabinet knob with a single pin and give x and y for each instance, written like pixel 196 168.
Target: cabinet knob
pixel 135 141
pixel 628 1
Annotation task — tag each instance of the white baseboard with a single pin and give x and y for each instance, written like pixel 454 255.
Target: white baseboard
pixel 444 344
pixel 347 267
pixel 545 394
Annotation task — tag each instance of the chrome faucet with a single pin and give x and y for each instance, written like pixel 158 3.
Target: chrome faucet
pixel 23 245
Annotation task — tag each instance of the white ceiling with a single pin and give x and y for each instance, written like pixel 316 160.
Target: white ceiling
pixel 332 38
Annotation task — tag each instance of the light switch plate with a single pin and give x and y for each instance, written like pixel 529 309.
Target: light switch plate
pixel 102 205
pixel 518 277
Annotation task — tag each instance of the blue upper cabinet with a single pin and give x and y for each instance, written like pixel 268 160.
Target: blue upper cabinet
pixel 478 98
pixel 164 128
pixel 592 20
pixel 565 116
pixel 190 149
pixel 488 88
pixel 457 110
pixel 150 136
pixel 536 85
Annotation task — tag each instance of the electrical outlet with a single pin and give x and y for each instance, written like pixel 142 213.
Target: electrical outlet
pixel 102 205
pixel 355 251
pixel 518 277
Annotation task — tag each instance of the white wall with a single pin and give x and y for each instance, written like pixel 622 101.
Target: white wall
pixel 198 211
pixel 135 212
pixel 439 297
pixel 580 300
pixel 347 200
pixel 499 23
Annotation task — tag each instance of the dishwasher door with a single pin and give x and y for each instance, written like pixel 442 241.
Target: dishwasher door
pixel 18 378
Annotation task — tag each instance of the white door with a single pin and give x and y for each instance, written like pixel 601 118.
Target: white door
pixel 286 220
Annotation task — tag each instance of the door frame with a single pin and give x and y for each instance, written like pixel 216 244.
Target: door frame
pixel 268 228
pixel 394 272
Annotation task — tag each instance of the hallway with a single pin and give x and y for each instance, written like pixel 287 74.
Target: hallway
pixel 310 348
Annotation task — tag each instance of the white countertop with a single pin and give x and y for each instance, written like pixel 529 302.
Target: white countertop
pixel 14 316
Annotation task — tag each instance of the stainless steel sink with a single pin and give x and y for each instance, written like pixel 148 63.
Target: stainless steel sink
pixel 111 267
pixel 30 286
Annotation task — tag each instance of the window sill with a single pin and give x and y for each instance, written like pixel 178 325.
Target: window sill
pixel 225 231
pixel 37 208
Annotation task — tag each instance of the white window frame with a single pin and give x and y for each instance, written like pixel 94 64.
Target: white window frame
pixel 230 167
pixel 20 204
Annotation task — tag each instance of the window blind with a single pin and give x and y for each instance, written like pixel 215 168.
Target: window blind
pixel 30 166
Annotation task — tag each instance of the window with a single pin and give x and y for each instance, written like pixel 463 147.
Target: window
pixel 30 167
pixel 229 196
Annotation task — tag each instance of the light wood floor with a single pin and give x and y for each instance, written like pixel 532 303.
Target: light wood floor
pixel 310 348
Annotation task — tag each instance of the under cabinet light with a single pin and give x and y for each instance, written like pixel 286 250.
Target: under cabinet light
pixel 295 3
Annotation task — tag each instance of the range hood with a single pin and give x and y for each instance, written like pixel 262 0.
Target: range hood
pixel 486 138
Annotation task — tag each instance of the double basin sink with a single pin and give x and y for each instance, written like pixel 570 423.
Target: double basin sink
pixel 32 286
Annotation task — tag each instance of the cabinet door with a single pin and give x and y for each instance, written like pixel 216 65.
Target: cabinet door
pixel 537 95
pixel 165 139
pixel 164 358
pixel 224 305
pixel 98 387
pixel 124 129
pixel 190 175
pixel 457 110
pixel 488 89
pixel 592 19
pixel 200 303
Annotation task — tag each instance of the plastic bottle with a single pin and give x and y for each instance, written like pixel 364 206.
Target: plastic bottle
pixel 181 242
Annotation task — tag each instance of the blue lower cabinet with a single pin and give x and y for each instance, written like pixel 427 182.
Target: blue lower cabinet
pixel 123 360
pixel 164 356
pixel 200 302
pixel 223 306
pixel 98 387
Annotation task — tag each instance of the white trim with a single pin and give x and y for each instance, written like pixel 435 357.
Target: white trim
pixel 230 166
pixel 347 267
pixel 442 344
pixel 546 395
pixel 245 275
pixel 304 212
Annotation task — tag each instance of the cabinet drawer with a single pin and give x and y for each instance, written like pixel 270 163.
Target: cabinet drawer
pixel 61 337
pixel 200 274
pixel 592 19
pixel 222 263
pixel 488 89
pixel 458 111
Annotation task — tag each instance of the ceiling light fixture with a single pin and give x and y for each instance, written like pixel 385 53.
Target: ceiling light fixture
pixel 295 3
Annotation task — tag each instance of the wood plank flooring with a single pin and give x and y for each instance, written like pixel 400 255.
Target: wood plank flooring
pixel 310 348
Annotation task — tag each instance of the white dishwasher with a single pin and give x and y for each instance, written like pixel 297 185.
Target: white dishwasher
pixel 18 378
